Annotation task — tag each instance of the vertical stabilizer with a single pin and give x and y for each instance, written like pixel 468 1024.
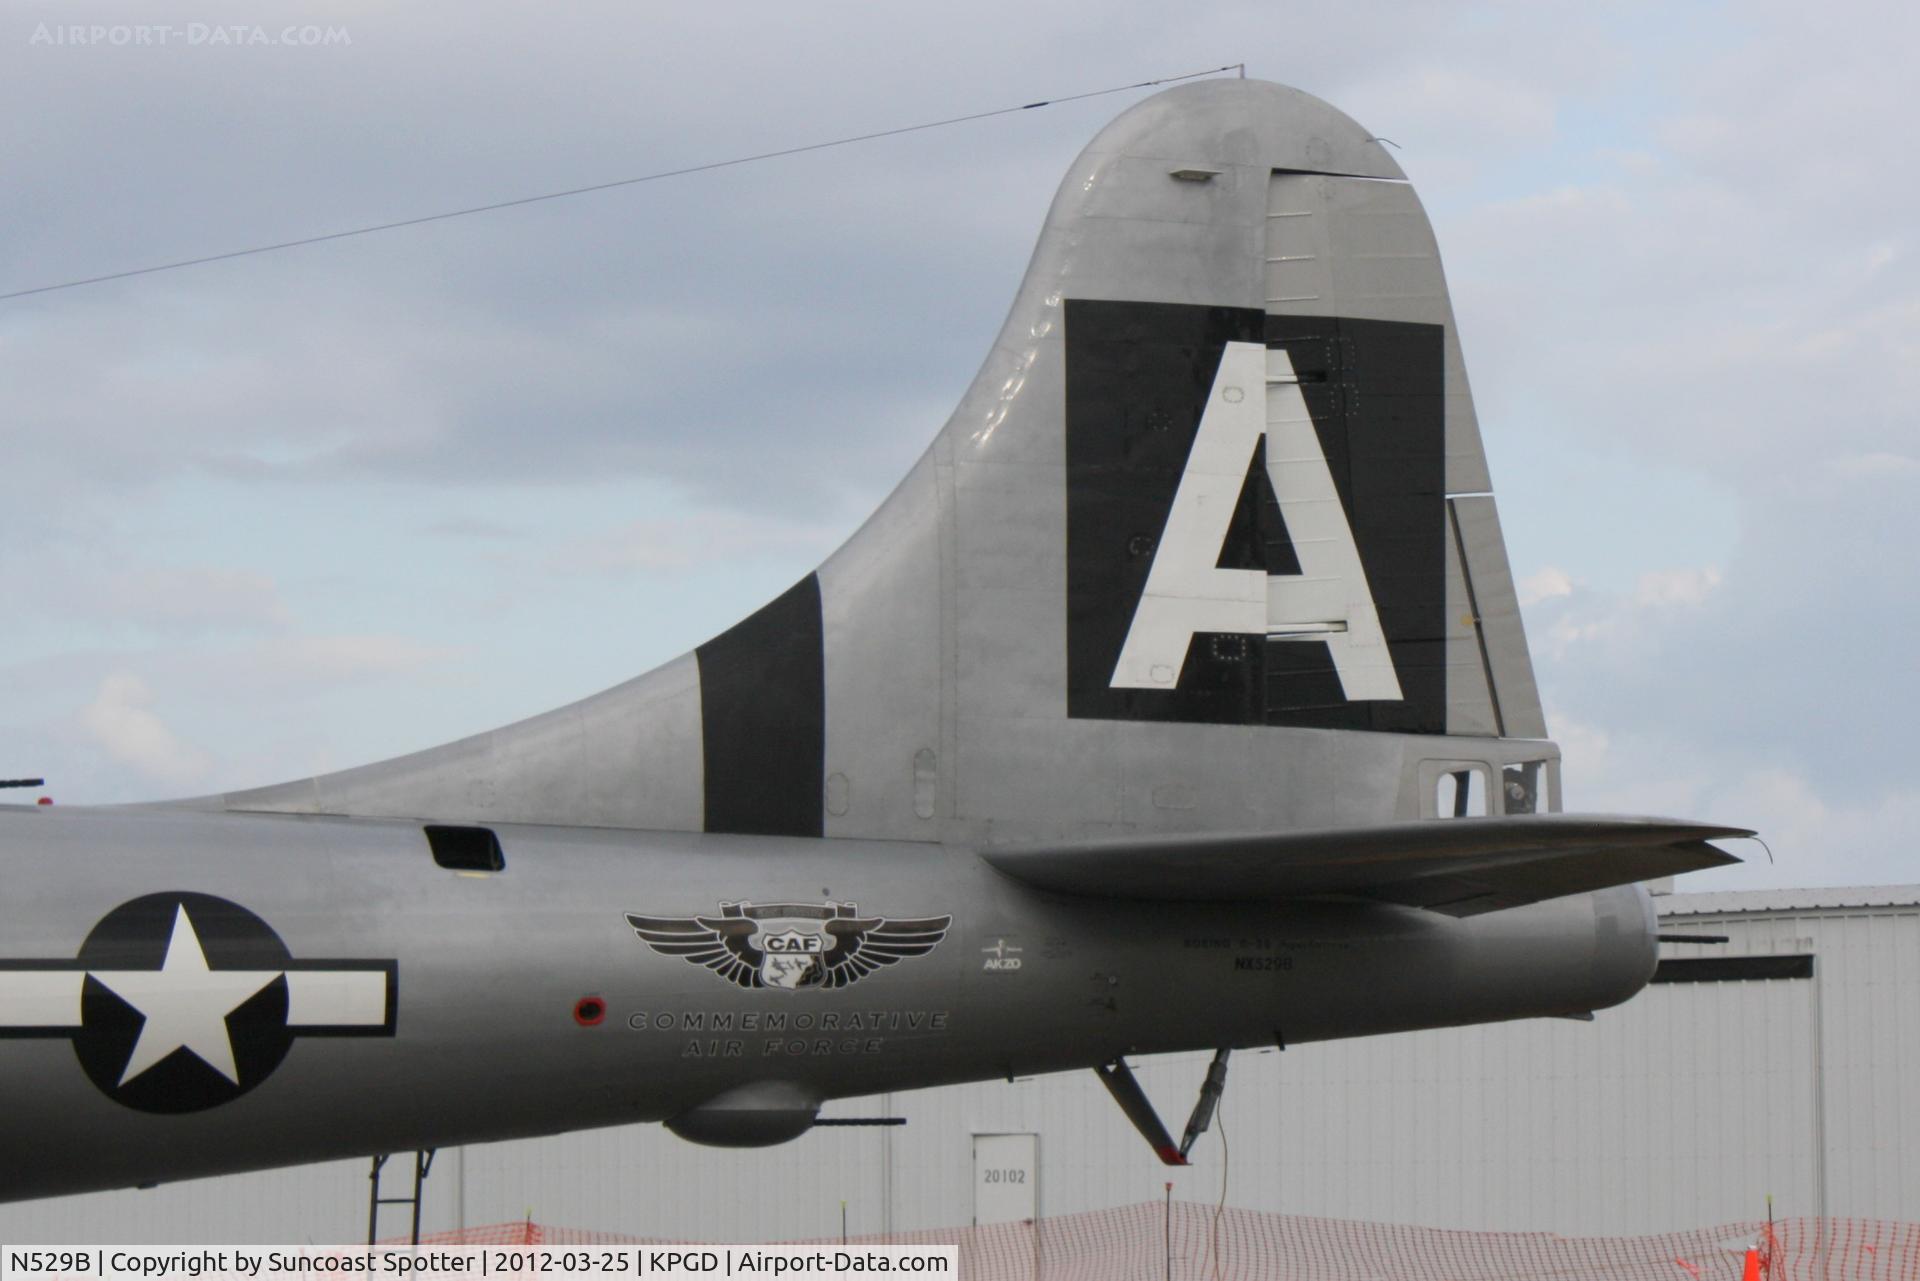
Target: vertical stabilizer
pixel 1208 545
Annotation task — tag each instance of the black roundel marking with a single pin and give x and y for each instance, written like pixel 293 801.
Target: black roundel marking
pixel 181 1001
pixel 134 936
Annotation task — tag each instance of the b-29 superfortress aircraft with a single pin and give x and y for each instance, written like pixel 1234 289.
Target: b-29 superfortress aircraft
pixel 1177 699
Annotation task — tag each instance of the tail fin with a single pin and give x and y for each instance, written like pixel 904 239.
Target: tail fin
pixel 1209 545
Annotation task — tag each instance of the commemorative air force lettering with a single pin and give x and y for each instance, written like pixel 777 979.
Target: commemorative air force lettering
pixel 789 948
pixel 735 1034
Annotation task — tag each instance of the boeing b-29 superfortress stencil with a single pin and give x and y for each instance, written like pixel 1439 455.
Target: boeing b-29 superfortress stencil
pixel 791 946
pixel 179 1002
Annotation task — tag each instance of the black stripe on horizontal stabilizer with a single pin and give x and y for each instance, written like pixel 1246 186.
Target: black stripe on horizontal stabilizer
pixel 763 719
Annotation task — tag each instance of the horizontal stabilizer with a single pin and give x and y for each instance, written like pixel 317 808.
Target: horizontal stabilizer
pixel 1459 866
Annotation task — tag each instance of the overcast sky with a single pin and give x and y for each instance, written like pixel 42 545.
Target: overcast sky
pixel 296 512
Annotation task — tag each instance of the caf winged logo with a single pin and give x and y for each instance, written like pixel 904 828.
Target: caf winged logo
pixel 791 946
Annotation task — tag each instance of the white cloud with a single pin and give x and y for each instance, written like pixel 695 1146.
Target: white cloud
pixel 1606 771
pixel 1638 162
pixel 331 659
pixel 1878 465
pixel 1470 104
pixel 1694 132
pixel 475 528
pixel 1547 584
pixel 704 538
pixel 1578 625
pixel 1823 837
pixel 1683 587
pixel 1818 834
pixel 120 719
pixel 161 597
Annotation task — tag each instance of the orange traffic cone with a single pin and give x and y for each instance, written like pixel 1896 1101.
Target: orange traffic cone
pixel 1752 1270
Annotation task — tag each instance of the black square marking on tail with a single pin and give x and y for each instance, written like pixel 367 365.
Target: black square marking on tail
pixel 763 718
pixel 1138 377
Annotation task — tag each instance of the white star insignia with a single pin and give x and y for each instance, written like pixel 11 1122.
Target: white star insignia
pixel 185 1004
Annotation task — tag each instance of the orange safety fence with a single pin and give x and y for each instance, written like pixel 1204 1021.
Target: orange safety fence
pixel 1152 1242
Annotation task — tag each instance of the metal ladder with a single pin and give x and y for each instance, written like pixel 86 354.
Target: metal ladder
pixel 422 1166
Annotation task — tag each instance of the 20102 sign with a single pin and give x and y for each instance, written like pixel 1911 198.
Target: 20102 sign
pixel 1003 1176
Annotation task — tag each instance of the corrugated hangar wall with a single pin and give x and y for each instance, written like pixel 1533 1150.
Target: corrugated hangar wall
pixel 1682 1109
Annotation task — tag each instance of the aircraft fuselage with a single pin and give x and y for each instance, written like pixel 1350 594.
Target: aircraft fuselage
pixel 186 993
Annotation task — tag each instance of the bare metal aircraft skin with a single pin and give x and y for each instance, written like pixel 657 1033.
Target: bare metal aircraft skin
pixel 1177 699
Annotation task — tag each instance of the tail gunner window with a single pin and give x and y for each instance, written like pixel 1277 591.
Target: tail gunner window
pixel 1462 793
pixel 1520 788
